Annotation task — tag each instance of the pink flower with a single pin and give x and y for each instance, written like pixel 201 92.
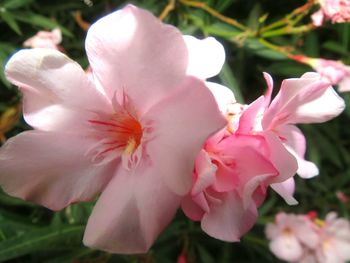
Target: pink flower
pixel 337 11
pixel 45 39
pixel 227 189
pixel 291 236
pixel 334 71
pixel 334 240
pixel 309 99
pixel 301 239
pixel 131 133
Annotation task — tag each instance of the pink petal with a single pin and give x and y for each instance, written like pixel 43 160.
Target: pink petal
pixel 269 90
pixel 51 169
pixel 191 209
pixel 287 247
pixel 281 158
pixel 223 95
pixel 132 210
pixel 206 57
pixel 57 93
pixel 322 109
pixel 317 18
pixel 205 171
pixel 286 190
pixel 182 123
pixel 295 142
pixel 229 221
pixel 138 53
pixel 247 120
pixel 344 84
pixel 304 100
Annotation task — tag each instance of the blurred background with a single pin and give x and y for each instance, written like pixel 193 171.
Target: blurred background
pixel 33 234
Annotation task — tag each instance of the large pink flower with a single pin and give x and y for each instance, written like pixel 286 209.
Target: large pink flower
pixel 131 132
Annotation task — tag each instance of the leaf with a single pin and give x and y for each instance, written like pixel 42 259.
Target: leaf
pixel 10 21
pixel 41 239
pixel 229 80
pixel 13 4
pixel 39 20
pixel 257 48
pixel 204 255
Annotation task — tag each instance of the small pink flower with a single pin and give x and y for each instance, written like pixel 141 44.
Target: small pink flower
pixel 131 132
pixel 335 72
pixel 342 197
pixel 337 11
pixel 45 39
pixel 334 240
pixel 291 236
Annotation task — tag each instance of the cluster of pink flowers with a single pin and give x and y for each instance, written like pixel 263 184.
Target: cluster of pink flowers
pixel 307 239
pixel 146 132
pixel 259 147
pixel 337 11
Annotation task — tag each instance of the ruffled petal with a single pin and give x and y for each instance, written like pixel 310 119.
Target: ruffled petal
pixel 181 125
pixel 205 57
pixel 57 93
pixel 51 169
pixel 229 220
pixel 132 210
pixel 132 50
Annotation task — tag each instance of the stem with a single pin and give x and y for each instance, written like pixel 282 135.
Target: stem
pixel 214 13
pixel 287 31
pixel 168 8
pixel 283 50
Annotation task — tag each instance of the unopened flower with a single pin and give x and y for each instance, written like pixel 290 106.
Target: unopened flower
pixel 131 132
pixel 335 72
pixel 45 39
pixel 336 11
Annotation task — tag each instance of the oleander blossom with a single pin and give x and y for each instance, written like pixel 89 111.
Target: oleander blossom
pixel 305 239
pixel 45 39
pixel 336 11
pixel 227 189
pixel 131 132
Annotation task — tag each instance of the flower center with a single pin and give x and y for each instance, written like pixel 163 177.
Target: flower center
pixel 119 134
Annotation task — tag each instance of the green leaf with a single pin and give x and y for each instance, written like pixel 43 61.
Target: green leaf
pixel 39 20
pixel 13 4
pixel 259 49
pixel 204 255
pixel 10 21
pixel 39 240
pixel 229 80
